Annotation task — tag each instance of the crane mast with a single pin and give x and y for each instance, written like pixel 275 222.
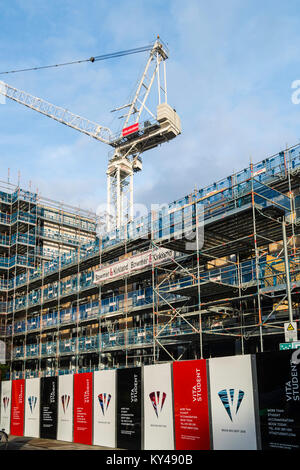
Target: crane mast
pixel 143 129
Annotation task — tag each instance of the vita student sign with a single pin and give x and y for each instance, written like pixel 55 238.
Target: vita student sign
pixel 134 263
pixel 191 405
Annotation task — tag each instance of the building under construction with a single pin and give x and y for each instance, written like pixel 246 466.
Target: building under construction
pixel 215 273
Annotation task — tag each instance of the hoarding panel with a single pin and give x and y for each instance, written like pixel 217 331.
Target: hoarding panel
pixel 279 400
pixel 191 405
pixel 158 407
pixel 32 408
pixel 5 409
pixel 83 408
pixel 48 409
pixel 232 403
pixel 105 408
pixel 129 408
pixel 17 407
pixel 65 408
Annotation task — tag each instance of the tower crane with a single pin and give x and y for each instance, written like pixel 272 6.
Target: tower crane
pixel 137 135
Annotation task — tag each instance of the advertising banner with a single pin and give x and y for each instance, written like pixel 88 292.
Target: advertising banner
pixel 131 264
pixel 65 408
pixel 158 407
pixel 105 408
pixel 129 408
pixel 83 408
pixel 17 407
pixel 32 408
pixel 5 408
pixel 191 405
pixel 232 403
pixel 129 130
pixel 278 380
pixel 2 352
pixel 48 409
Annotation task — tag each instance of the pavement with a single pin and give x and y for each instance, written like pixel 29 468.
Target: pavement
pixel 30 443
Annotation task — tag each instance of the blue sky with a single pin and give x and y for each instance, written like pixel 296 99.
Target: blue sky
pixel 230 72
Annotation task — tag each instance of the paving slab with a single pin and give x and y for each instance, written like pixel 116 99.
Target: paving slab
pixel 30 443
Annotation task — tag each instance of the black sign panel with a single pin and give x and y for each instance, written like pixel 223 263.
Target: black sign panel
pixel 278 379
pixel 48 409
pixel 129 407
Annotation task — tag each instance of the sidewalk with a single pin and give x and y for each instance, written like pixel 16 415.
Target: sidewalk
pixel 30 443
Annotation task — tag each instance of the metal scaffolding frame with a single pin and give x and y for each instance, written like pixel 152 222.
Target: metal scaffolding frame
pixel 228 269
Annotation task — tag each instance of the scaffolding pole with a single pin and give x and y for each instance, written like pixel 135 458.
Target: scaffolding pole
pixel 287 272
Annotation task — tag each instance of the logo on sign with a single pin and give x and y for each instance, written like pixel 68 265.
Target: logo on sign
pixel 5 403
pixel 157 399
pixel 231 400
pixel 65 400
pixel 104 400
pixel 32 402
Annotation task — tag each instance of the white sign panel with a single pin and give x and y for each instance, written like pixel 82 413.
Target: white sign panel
pixel 232 403
pixel 290 332
pixel 2 352
pixel 158 407
pixel 131 264
pixel 105 408
pixel 65 408
pixel 32 408
pixel 5 406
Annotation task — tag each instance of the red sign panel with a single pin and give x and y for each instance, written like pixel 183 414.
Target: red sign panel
pixel 17 407
pixel 83 408
pixel 130 130
pixel 191 405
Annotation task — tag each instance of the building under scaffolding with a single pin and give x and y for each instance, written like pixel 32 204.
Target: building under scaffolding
pixel 216 273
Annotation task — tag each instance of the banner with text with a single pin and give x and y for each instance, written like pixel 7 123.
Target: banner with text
pixel 17 407
pixel 2 352
pixel 5 408
pixel 48 409
pixel 129 408
pixel 279 400
pixel 83 407
pixel 191 405
pixel 32 408
pixel 158 407
pixel 132 264
pixel 232 403
pixel 105 408
pixel 65 408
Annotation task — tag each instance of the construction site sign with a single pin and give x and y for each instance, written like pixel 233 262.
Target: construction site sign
pixel 290 332
pixel 286 346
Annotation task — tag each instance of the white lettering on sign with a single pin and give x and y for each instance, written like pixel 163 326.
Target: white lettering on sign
pixel 259 172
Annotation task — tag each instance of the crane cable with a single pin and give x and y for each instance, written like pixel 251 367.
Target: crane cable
pixel 91 59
